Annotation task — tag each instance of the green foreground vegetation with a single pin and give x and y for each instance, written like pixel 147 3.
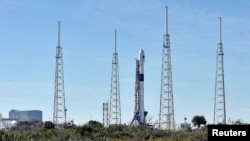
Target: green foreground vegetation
pixel 94 131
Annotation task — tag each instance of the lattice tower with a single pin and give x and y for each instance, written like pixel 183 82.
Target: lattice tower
pixel 219 100
pixel 166 116
pixel 59 113
pixel 137 86
pixel 115 108
pixel 105 114
pixel 136 120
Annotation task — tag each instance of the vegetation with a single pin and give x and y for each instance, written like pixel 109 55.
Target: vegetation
pixel 199 120
pixel 94 131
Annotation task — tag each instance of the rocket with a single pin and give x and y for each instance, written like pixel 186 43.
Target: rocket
pixel 141 58
pixel 140 113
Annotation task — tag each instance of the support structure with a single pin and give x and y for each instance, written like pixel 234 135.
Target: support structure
pixel 105 114
pixel 59 113
pixel 166 115
pixel 115 107
pixel 219 99
pixel 137 85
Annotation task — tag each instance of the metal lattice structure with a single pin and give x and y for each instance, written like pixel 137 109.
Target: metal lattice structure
pixel 105 114
pixel 166 115
pixel 136 120
pixel 59 113
pixel 219 100
pixel 137 86
pixel 115 108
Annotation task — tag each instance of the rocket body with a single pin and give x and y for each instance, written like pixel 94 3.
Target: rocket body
pixel 140 113
pixel 141 58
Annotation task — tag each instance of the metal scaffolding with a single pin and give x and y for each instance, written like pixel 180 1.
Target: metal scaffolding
pixel 219 99
pixel 166 115
pixel 59 113
pixel 105 114
pixel 115 108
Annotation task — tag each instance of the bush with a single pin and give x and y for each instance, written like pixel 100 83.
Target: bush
pixel 94 131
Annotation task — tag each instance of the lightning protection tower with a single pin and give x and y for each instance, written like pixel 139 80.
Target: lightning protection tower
pixel 115 108
pixel 219 99
pixel 59 114
pixel 166 115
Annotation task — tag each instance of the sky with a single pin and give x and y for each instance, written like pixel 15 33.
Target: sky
pixel 28 40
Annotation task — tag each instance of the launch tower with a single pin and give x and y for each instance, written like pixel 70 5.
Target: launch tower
pixel 59 113
pixel 219 100
pixel 166 115
pixel 115 108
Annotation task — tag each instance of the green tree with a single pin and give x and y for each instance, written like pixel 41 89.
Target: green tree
pixel 198 120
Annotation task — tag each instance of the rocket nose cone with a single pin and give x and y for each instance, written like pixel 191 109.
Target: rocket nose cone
pixel 141 56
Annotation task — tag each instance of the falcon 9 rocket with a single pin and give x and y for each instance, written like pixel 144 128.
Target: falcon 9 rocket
pixel 141 58
pixel 140 113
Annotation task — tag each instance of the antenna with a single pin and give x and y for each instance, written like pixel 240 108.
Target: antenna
pixel 59 33
pixel 166 19
pixel 220 29
pixel 115 41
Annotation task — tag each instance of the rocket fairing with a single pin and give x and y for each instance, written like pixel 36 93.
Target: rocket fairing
pixel 141 59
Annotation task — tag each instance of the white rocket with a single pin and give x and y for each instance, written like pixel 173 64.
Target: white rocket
pixel 141 59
